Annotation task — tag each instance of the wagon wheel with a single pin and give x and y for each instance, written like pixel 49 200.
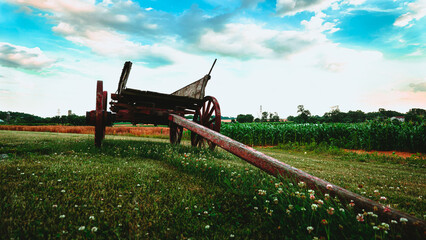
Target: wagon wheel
pixel 207 115
pixel 175 133
pixel 101 103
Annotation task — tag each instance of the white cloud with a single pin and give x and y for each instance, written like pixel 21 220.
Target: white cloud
pixel 291 7
pixel 418 87
pixel 318 24
pixel 105 27
pixel 355 2
pixel 252 41
pixel 64 28
pixel 22 57
pixel 417 10
pixel 116 45
pixel 61 6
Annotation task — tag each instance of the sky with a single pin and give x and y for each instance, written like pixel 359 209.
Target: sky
pixel 275 55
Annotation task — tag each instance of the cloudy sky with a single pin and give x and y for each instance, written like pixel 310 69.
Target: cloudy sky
pixel 278 54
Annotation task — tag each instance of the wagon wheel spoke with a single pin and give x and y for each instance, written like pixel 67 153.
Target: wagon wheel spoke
pixel 210 114
pixel 203 116
pixel 207 108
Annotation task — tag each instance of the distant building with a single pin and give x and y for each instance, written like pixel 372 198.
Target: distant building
pixel 227 120
pixel 399 118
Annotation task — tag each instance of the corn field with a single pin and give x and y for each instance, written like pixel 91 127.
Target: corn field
pixel 367 136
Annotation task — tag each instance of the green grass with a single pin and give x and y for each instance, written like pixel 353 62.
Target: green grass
pixel 61 186
pixel 401 181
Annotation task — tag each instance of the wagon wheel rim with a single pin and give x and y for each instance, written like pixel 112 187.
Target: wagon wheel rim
pixel 100 113
pixel 208 115
pixel 176 132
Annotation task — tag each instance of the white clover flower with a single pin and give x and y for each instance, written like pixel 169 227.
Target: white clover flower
pixel 92 218
pixel 394 222
pixel 262 192
pixel 310 229
pixel 403 220
pixel 375 228
pixel 301 184
pixel 303 209
pixel 341 209
pixel 314 206
pixel 81 228
pixel 232 235
pixel 385 225
pixel 63 190
pixel 62 216
pixel 94 229
pixel 207 227
pixel 119 205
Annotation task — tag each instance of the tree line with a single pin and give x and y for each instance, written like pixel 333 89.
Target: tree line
pixel 337 116
pixel 17 118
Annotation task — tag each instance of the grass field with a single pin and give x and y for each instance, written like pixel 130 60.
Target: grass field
pixel 60 186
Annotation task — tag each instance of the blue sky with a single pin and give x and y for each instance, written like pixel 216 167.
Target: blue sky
pixel 357 54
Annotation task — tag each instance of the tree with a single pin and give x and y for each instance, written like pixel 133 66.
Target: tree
pixel 415 115
pixel 304 114
pixel 334 115
pixel 355 116
pixel 274 117
pixel 264 117
pixel 245 118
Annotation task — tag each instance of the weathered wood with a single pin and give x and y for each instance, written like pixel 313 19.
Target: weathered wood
pixel 124 76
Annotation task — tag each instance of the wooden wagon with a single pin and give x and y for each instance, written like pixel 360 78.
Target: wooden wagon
pixel 136 106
